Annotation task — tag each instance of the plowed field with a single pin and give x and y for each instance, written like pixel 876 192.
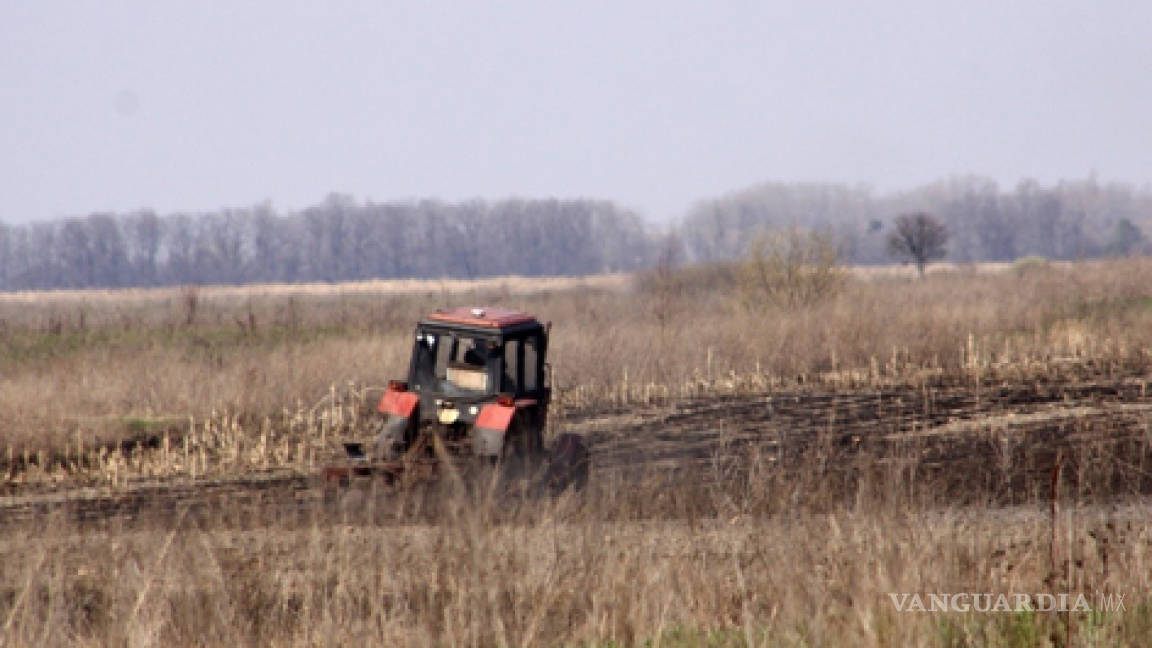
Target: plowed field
pixel 971 443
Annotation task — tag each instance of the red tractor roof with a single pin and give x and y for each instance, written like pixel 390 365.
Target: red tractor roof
pixel 482 316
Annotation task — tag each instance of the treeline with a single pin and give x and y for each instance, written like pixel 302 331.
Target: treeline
pixel 1070 220
pixel 338 240
pixel 342 239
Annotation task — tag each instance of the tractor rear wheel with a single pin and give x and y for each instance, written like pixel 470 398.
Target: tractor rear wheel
pixel 521 457
pixel 568 464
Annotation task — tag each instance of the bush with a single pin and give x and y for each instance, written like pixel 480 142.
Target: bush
pixel 790 268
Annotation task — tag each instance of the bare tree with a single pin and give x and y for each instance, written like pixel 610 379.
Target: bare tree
pixel 142 242
pixel 918 238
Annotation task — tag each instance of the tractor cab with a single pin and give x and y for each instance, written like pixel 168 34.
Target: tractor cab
pixel 476 380
pixel 475 354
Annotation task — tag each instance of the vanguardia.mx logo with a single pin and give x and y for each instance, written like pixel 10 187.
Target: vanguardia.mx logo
pixel 1013 602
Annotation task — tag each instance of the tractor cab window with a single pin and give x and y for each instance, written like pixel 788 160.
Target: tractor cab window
pixel 522 364
pixel 424 362
pixel 454 364
pixel 470 353
pixel 469 364
pixel 531 363
pixel 512 366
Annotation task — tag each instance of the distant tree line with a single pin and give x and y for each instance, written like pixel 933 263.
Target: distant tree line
pixel 342 239
pixel 1070 220
pixel 338 240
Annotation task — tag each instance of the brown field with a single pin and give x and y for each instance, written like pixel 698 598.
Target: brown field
pixel 762 475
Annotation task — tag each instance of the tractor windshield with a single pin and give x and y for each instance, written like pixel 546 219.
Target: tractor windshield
pixel 454 364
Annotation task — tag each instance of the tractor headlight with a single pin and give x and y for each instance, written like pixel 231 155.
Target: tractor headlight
pixel 473 410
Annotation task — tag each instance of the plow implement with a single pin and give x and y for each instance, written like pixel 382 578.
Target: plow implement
pixel 432 460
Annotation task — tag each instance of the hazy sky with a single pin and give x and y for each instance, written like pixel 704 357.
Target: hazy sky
pixel 198 105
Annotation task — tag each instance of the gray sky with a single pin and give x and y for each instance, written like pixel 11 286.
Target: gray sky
pixel 198 105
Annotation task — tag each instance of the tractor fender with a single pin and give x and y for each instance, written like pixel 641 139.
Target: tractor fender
pixel 398 403
pixel 491 425
pixel 398 406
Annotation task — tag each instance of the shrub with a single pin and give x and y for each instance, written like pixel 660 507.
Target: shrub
pixel 790 268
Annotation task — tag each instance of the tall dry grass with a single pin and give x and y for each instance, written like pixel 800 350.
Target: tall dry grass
pixel 727 559
pixel 75 366
pixel 745 553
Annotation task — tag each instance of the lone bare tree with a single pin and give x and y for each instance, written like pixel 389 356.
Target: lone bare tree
pixel 918 238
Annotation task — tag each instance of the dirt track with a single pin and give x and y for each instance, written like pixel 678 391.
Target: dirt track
pixel 996 442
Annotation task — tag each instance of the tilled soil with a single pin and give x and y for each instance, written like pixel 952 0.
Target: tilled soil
pixel 1006 439
pixel 983 442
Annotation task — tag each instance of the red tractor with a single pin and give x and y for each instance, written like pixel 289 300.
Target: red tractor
pixel 477 392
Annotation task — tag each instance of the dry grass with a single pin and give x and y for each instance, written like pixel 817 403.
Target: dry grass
pixel 211 385
pixel 642 563
pixel 373 287
pixel 84 367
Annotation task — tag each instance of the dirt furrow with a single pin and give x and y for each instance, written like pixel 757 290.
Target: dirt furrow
pixel 1005 436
